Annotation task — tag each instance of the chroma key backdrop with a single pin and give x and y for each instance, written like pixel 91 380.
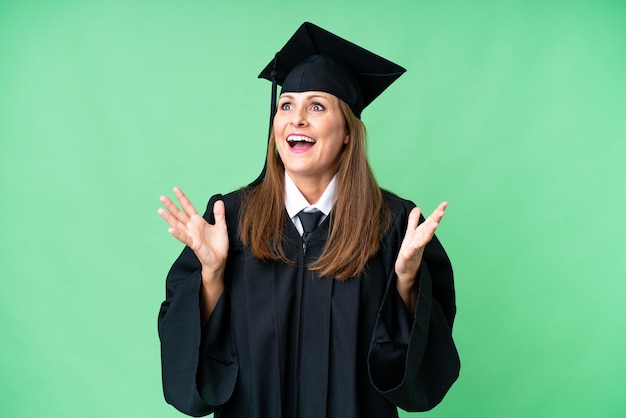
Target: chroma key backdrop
pixel 513 111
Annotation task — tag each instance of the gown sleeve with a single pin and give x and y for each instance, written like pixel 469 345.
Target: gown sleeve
pixel 199 366
pixel 413 361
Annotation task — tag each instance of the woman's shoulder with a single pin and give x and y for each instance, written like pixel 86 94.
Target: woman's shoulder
pixel 233 202
pixel 397 204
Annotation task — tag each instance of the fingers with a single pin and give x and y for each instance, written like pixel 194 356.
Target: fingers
pixel 176 218
pixel 184 202
pixel 187 225
pixel 435 217
pixel 167 217
pixel 170 215
pixel 432 222
pixel 181 236
pixel 177 228
pixel 414 218
pixel 173 211
pixel 419 235
pixel 181 215
pixel 441 210
pixel 437 214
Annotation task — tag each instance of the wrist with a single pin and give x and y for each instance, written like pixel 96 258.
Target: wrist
pixel 211 275
pixel 406 282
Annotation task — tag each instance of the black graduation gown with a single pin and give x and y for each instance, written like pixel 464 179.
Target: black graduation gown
pixel 283 342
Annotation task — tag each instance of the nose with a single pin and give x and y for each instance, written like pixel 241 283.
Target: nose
pixel 298 118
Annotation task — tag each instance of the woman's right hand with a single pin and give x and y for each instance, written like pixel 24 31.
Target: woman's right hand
pixel 208 242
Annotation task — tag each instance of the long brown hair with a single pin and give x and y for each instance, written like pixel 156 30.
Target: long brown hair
pixel 358 220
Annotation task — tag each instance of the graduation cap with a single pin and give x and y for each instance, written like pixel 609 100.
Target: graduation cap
pixel 317 60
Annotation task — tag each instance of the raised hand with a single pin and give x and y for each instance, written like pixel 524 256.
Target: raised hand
pixel 209 242
pixel 415 239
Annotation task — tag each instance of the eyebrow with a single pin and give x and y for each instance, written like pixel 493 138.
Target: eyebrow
pixel 312 96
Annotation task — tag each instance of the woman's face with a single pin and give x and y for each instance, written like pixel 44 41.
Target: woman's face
pixel 310 134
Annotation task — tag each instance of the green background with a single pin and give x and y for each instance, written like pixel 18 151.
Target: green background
pixel 514 111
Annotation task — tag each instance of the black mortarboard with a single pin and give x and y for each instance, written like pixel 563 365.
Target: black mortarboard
pixel 316 60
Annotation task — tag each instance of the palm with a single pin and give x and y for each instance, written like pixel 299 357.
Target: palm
pixel 416 237
pixel 209 242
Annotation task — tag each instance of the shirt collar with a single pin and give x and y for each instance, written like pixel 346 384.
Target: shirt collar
pixel 296 202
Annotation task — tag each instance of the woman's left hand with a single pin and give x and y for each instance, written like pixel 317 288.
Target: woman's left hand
pixel 415 239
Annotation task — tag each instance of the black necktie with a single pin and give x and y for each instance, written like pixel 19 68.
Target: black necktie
pixel 309 223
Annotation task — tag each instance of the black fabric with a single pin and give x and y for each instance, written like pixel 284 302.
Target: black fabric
pixel 284 342
pixel 322 73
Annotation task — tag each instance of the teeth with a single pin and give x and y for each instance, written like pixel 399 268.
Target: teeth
pixel 300 138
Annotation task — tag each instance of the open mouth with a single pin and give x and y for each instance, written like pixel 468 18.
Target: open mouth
pixel 300 142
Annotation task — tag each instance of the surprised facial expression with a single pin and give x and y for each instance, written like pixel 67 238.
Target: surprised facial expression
pixel 310 134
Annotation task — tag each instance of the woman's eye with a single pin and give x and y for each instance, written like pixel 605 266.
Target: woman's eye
pixel 317 107
pixel 285 106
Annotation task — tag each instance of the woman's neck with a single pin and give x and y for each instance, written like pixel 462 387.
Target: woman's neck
pixel 311 187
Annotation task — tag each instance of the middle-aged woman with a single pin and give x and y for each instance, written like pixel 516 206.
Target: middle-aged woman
pixel 311 292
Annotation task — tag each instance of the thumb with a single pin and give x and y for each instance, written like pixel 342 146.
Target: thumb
pixel 219 212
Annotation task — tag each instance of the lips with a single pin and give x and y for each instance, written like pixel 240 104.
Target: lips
pixel 300 142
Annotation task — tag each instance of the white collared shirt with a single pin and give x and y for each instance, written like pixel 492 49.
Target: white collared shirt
pixel 296 202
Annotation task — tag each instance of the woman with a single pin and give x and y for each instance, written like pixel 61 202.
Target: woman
pixel 311 292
